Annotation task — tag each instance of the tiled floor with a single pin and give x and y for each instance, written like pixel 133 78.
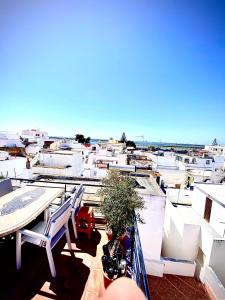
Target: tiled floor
pixel 78 275
pixel 172 287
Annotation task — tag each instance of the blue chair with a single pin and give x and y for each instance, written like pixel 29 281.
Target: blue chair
pixel 46 235
pixel 5 187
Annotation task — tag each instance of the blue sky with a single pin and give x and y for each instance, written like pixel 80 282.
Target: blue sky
pixel 152 68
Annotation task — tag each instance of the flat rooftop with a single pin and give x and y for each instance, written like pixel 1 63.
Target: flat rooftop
pixel 179 196
pixel 172 177
pixel 150 186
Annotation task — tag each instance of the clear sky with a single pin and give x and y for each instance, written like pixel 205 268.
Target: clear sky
pixel 147 67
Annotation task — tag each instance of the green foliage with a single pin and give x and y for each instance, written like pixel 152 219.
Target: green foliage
pixel 130 144
pixel 152 148
pixel 81 139
pixel 120 200
pixel 123 138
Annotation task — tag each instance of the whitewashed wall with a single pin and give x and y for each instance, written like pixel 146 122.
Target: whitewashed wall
pixel 217 219
pixel 60 161
pixel 198 202
pixel 219 162
pixel 213 285
pixel 163 161
pixel 180 241
pixel 54 171
pixel 217 259
pixel 184 241
pixel 181 166
pixel 151 232
pixel 179 267
pixel 14 166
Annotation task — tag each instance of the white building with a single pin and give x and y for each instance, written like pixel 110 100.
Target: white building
pixel 10 139
pixel 219 150
pixel 33 149
pixel 163 160
pixel 14 167
pixel 4 155
pixel 151 232
pixel 60 163
pixel 34 135
pixel 211 163
pixel 195 234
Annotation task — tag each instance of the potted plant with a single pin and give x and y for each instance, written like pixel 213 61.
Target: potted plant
pixel 120 202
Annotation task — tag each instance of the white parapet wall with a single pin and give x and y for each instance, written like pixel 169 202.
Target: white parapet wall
pixel 213 285
pixel 181 239
pixel 217 261
pixel 14 167
pixel 170 266
pixel 154 267
pixel 151 232
pixel 53 171
pixel 61 163
pixel 179 267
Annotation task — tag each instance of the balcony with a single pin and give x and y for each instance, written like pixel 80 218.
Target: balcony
pixel 79 272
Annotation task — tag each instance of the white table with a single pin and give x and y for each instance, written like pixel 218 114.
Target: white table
pixel 20 207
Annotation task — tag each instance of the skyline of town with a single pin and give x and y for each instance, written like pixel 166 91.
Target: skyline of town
pixel 141 139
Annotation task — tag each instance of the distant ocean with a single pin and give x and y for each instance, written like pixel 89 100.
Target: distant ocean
pixel 157 144
pixel 145 143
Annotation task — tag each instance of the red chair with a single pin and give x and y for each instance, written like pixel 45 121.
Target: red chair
pixel 85 220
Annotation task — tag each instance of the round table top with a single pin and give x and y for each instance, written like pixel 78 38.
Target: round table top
pixel 20 207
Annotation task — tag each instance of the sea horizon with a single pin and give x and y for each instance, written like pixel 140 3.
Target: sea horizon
pixel 141 143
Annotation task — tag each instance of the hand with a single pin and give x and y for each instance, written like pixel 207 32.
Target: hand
pixel 123 288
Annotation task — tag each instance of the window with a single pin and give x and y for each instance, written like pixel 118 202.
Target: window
pixel 207 162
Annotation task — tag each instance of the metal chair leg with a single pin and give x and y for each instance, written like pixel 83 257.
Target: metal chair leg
pixel 18 250
pixel 68 237
pixel 50 260
pixel 74 226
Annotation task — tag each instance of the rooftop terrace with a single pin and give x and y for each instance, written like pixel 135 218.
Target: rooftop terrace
pixel 79 276
pixel 79 273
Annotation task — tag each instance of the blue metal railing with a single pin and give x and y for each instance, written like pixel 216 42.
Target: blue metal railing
pixel 137 262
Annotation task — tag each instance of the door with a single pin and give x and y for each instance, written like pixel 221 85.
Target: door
pixel 208 207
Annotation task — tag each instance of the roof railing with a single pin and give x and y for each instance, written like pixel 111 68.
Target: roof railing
pixel 137 261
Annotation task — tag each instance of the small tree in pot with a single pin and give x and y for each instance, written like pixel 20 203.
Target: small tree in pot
pixel 120 201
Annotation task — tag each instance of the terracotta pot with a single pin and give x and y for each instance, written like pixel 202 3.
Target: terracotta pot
pixel 109 235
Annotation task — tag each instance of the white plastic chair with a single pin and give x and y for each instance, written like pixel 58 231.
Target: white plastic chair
pixel 75 201
pixel 75 206
pixel 46 235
